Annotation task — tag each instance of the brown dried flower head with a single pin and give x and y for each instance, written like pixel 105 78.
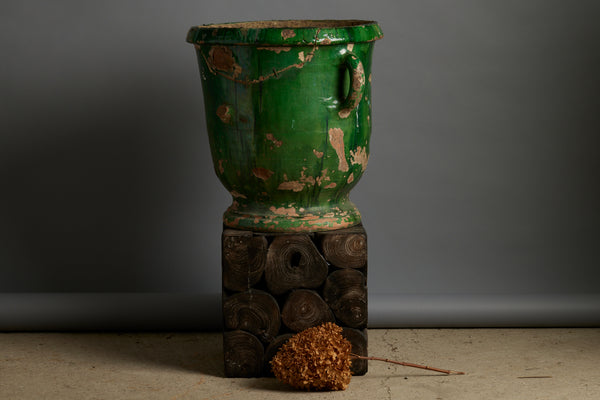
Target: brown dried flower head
pixel 317 358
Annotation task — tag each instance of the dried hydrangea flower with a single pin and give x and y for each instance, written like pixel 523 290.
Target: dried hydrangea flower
pixel 317 358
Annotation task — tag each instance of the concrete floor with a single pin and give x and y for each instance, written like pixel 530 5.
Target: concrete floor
pixel 499 364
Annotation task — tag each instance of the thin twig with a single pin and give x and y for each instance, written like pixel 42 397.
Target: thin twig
pixel 407 364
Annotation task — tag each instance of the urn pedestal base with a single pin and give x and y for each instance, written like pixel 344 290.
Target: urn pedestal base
pixel 277 284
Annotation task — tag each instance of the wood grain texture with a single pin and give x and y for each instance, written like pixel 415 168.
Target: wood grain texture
pixel 304 309
pixel 293 261
pixel 272 349
pixel 244 259
pixel 277 284
pixel 345 292
pixel 358 339
pixel 243 354
pixel 345 248
pixel 253 311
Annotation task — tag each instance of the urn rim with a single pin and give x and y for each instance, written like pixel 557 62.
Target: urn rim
pixel 293 32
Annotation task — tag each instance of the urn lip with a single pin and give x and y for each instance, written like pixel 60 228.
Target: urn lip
pixel 286 32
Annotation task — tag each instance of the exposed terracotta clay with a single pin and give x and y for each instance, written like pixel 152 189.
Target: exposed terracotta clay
pixel 221 59
pixel 262 173
pixel 272 138
pixel 288 33
pixel 289 211
pixel 291 185
pixel 224 113
pixel 277 50
pixel 225 59
pixel 323 177
pixel 237 195
pixel 336 138
pixel 310 180
pixel 345 113
pixel 292 23
pixel 360 156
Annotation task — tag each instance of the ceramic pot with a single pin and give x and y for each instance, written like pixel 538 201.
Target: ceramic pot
pixel 288 109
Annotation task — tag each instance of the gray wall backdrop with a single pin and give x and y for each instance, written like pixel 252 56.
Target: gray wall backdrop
pixel 481 199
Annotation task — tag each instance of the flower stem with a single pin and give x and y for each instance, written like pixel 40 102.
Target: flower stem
pixel 407 364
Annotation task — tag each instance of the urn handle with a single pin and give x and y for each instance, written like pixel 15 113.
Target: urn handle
pixel 357 84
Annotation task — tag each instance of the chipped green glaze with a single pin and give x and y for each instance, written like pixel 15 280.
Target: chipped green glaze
pixel 288 109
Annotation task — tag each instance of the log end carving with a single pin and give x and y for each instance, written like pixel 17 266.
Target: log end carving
pixel 244 259
pixel 272 349
pixel 346 248
pixel 243 354
pixel 276 284
pixel 358 340
pixel 253 311
pixel 304 309
pixel 345 291
pixel 293 261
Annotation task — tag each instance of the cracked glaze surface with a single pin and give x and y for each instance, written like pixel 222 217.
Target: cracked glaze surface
pixel 288 116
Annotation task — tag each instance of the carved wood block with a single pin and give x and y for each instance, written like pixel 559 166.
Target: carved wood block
pixel 277 284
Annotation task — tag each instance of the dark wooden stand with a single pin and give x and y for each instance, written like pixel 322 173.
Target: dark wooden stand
pixel 276 284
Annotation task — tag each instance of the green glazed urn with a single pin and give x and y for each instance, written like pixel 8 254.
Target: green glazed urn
pixel 288 112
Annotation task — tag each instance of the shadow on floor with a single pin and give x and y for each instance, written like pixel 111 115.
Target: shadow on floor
pixel 270 384
pixel 193 352
pixel 200 353
pixel 273 385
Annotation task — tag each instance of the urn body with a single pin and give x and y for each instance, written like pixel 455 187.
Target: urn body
pixel 288 113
